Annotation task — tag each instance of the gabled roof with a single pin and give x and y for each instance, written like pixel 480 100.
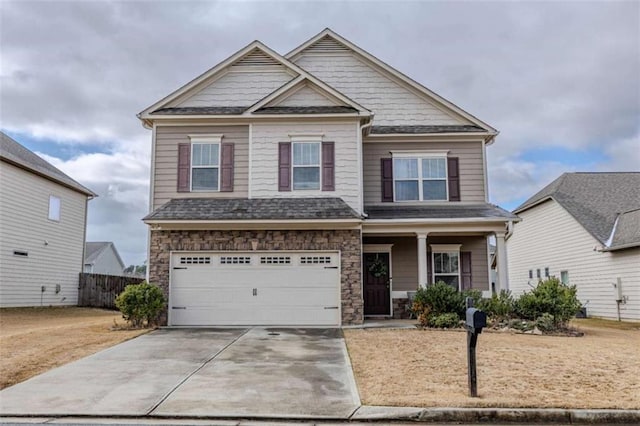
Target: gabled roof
pixel 12 152
pixel 257 52
pixel 93 250
pixel 219 209
pixel 329 41
pixel 605 204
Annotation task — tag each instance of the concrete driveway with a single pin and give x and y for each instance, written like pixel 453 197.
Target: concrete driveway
pixel 283 373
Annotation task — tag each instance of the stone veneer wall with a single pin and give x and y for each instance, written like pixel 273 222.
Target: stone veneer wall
pixel 347 241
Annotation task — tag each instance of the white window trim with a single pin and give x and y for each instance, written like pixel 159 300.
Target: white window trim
pixel 57 214
pixel 307 140
pixel 446 248
pixel 419 156
pixel 205 139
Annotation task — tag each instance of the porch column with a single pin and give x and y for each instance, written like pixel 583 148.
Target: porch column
pixel 501 262
pixel 422 260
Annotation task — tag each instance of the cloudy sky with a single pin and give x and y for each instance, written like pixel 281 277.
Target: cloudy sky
pixel 560 80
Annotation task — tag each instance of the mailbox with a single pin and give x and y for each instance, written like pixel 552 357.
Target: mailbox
pixel 476 320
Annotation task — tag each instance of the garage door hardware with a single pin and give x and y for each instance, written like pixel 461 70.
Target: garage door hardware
pixel 273 334
pixel 331 307
pixel 330 267
pixel 178 307
pixel 179 267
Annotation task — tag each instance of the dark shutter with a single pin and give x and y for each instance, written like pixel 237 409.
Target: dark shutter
pixel 454 178
pixel 429 268
pixel 387 179
pixel 184 167
pixel 328 166
pixel 226 167
pixel 284 166
pixel 465 271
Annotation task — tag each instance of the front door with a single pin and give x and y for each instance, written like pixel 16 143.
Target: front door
pixel 376 284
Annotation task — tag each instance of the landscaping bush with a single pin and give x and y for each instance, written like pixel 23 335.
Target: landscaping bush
pixel 545 323
pixel 549 297
pixel 450 320
pixel 499 307
pixel 141 304
pixel 441 299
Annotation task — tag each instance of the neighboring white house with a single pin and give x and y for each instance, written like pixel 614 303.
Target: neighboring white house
pixel 102 258
pixel 583 228
pixel 42 229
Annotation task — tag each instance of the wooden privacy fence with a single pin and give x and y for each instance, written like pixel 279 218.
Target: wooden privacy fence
pixel 100 291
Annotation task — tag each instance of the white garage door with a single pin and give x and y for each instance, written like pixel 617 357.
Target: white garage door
pixel 255 288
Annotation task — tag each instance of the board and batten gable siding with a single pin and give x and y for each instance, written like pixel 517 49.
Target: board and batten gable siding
pixel 392 103
pixel 305 97
pixel 166 161
pixel 25 226
pixel 264 145
pixel 404 258
pixel 548 236
pixel 470 165
pixel 238 89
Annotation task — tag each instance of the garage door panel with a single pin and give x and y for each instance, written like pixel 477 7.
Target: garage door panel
pixel 296 288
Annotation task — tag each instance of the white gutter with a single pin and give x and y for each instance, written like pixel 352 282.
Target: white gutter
pixel 248 221
pixel 419 221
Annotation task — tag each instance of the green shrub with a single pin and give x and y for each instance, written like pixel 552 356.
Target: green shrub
pixel 141 304
pixel 549 297
pixel 450 320
pixel 499 307
pixel 439 298
pixel 545 323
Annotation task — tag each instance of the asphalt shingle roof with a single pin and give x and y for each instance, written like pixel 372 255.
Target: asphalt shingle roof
pixel 253 209
pixel 463 211
pixel 386 130
pixel 13 152
pixel 306 110
pixel 212 110
pixel 596 200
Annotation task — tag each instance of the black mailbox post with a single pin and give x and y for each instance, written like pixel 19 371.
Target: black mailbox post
pixel 475 322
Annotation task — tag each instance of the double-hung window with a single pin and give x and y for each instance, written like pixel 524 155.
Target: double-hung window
pixel 420 178
pixel 205 165
pixel 306 165
pixel 446 264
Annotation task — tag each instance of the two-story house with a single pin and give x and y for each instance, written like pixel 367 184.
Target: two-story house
pixel 315 188
pixel 43 221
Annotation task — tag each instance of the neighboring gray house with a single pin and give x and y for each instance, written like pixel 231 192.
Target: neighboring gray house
pixel 583 228
pixel 314 188
pixel 102 258
pixel 42 229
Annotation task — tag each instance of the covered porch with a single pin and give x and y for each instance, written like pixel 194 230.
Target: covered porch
pixel 401 254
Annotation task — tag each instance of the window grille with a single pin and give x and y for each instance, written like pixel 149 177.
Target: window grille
pixel 194 260
pixel 275 260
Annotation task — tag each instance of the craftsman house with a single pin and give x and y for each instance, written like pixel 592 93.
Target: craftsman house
pixel 314 188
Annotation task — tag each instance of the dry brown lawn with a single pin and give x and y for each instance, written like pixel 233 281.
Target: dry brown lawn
pixel 428 368
pixel 34 340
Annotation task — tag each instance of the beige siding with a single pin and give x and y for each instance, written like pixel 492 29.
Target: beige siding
pixel 306 97
pixel 265 139
pixel 549 236
pixel 55 248
pixel 166 161
pixel 107 263
pixel 391 102
pixel 404 258
pixel 470 166
pixel 238 89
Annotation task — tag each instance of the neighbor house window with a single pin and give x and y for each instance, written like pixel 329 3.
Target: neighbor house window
pixel 546 272
pixel 306 165
pixel 538 273
pixel 564 277
pixel 446 264
pixel 420 178
pixel 530 273
pixel 54 208
pixel 205 166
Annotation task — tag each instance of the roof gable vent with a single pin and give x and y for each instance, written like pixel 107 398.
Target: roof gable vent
pixel 327 44
pixel 256 58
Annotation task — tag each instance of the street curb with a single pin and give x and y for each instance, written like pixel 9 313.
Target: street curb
pixel 382 414
pixel 496 415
